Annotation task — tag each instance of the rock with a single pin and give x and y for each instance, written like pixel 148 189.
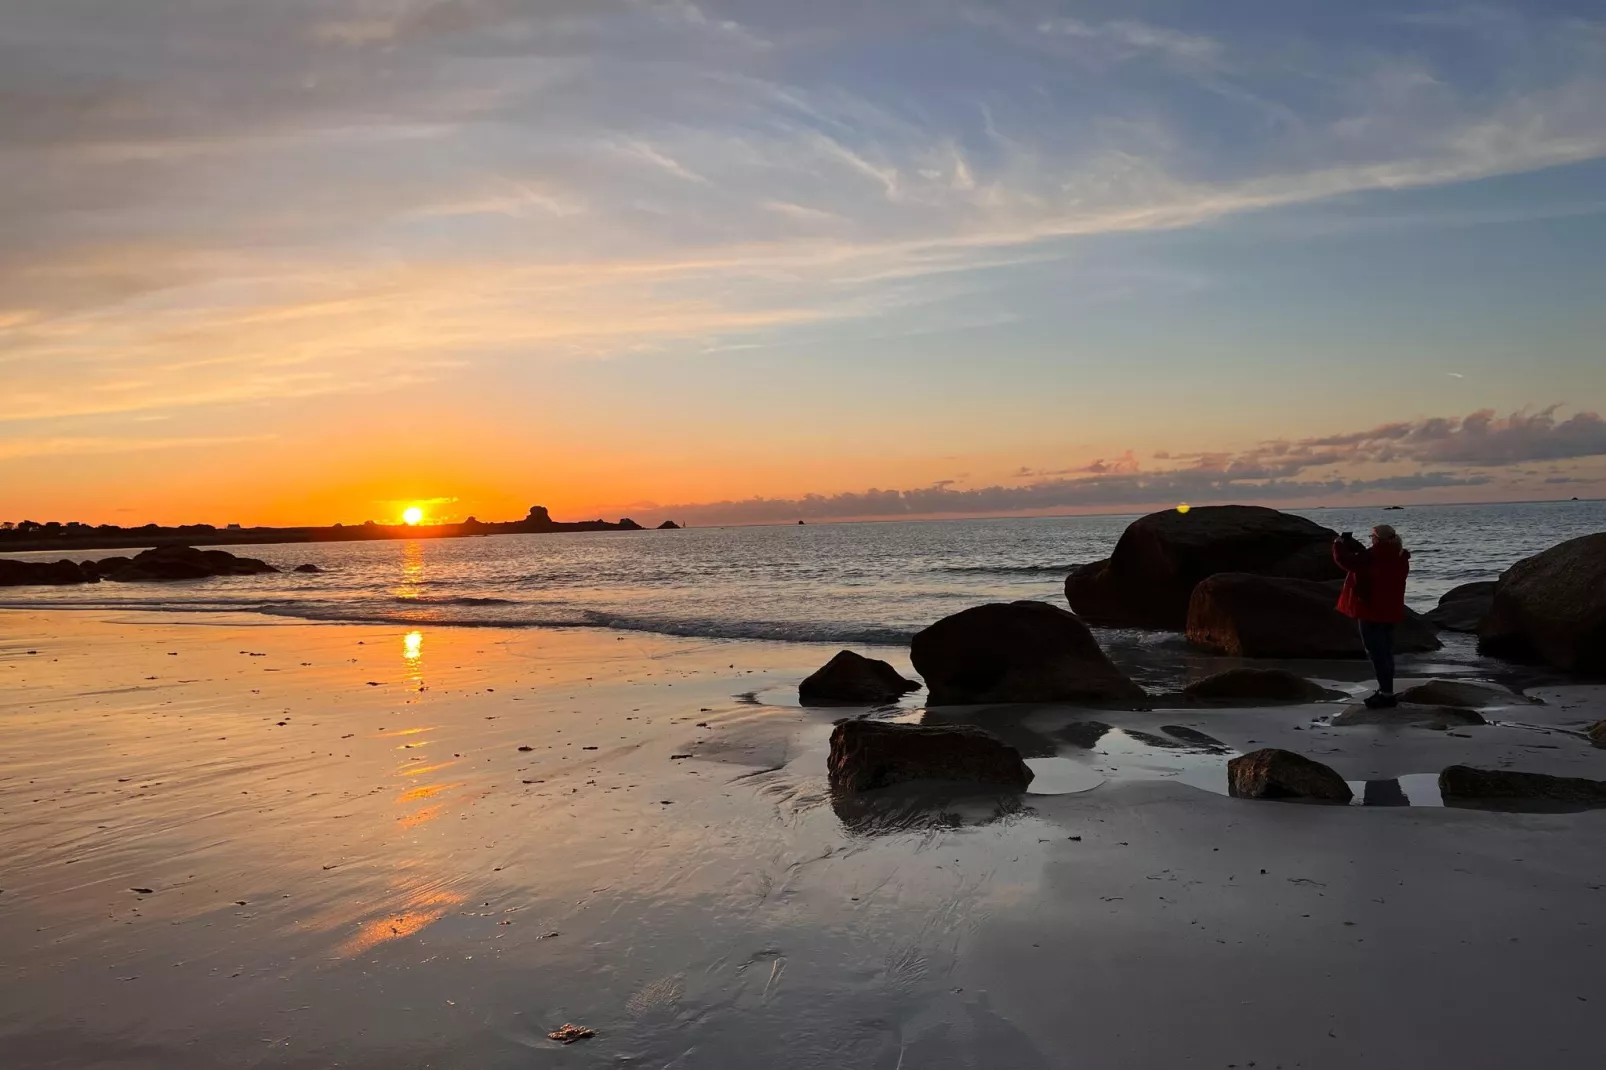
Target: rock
pixel 42 573
pixel 1464 782
pixel 1462 609
pixel 1148 580
pixel 850 678
pixel 1279 774
pixel 105 566
pixel 1597 733
pixel 308 568
pixel 669 525
pixel 1017 652
pixel 873 754
pixel 1552 608
pixel 1258 685
pixel 1254 616
pixel 1408 713
pixel 186 563
pixel 1462 693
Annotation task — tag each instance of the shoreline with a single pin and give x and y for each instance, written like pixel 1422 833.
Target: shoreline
pixel 350 860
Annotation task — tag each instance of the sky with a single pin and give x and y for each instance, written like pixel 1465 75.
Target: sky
pixel 749 261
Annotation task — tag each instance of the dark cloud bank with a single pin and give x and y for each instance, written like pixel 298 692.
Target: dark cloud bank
pixel 1448 452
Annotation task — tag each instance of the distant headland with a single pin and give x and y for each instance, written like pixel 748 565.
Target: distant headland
pixel 31 535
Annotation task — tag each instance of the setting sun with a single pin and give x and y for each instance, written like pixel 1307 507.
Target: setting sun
pixel 412 515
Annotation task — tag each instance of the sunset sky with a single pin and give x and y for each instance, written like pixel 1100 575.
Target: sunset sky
pixel 285 261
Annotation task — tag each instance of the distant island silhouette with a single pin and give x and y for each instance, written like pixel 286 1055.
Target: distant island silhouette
pixel 31 535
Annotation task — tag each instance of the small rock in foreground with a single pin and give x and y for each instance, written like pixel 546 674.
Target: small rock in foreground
pixel 1462 693
pixel 1279 774
pixel 1419 716
pixel 850 678
pixel 874 754
pixel 569 1033
pixel 1597 733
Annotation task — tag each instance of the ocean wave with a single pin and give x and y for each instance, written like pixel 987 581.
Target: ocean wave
pixel 455 600
pixel 1005 570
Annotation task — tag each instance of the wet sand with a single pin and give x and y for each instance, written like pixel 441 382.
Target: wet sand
pixel 351 862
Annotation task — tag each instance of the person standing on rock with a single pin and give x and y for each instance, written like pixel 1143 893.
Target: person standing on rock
pixel 1374 594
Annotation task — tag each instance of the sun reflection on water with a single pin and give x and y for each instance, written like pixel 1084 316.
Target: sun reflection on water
pixel 413 646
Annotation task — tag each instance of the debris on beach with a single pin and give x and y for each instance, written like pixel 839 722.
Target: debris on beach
pixel 569 1033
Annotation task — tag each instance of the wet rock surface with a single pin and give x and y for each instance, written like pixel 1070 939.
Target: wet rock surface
pixel 1408 714
pixel 1258 685
pixel 850 678
pixel 1253 616
pixel 1462 693
pixel 1271 773
pixel 1148 579
pixel 866 755
pixel 1462 609
pixel 1017 652
pixel 1552 608
pixel 309 568
pixel 1465 782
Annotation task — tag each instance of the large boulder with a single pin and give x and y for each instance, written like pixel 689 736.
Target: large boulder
pixel 855 680
pixel 41 573
pixel 1017 652
pixel 874 754
pixel 1279 774
pixel 1464 782
pixel 1552 608
pixel 1462 693
pixel 1278 617
pixel 186 563
pixel 1462 609
pixel 1147 581
pixel 1258 685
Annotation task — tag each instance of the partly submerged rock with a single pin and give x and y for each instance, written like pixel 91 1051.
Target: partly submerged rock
pixel 1149 578
pixel 1463 693
pixel 308 568
pixel 1254 616
pixel 1462 609
pixel 42 573
pixel 874 754
pixel 187 563
pixel 1017 652
pixel 1438 717
pixel 1279 774
pixel 1597 733
pixel 1464 782
pixel 1552 608
pixel 1258 685
pixel 854 679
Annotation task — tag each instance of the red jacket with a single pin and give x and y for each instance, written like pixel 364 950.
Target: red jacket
pixel 1374 590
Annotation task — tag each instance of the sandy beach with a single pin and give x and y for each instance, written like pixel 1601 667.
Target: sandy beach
pixel 231 842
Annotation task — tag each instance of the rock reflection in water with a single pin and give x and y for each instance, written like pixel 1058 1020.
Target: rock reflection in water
pixel 921 808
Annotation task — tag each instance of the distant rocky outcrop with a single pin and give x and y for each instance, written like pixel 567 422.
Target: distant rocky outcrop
pixel 1552 608
pixel 875 754
pixel 669 525
pixel 1463 693
pixel 41 573
pixel 1462 609
pixel 1279 774
pixel 1254 616
pixel 1258 686
pixel 1464 782
pixel 308 568
pixel 1017 652
pixel 1148 580
pixel 852 679
pixel 186 563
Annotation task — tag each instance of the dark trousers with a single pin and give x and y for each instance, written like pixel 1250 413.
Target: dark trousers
pixel 1378 639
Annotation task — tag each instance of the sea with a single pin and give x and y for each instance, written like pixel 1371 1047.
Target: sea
pixel 849 584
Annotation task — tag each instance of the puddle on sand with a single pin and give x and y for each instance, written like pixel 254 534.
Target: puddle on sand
pixel 1098 753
